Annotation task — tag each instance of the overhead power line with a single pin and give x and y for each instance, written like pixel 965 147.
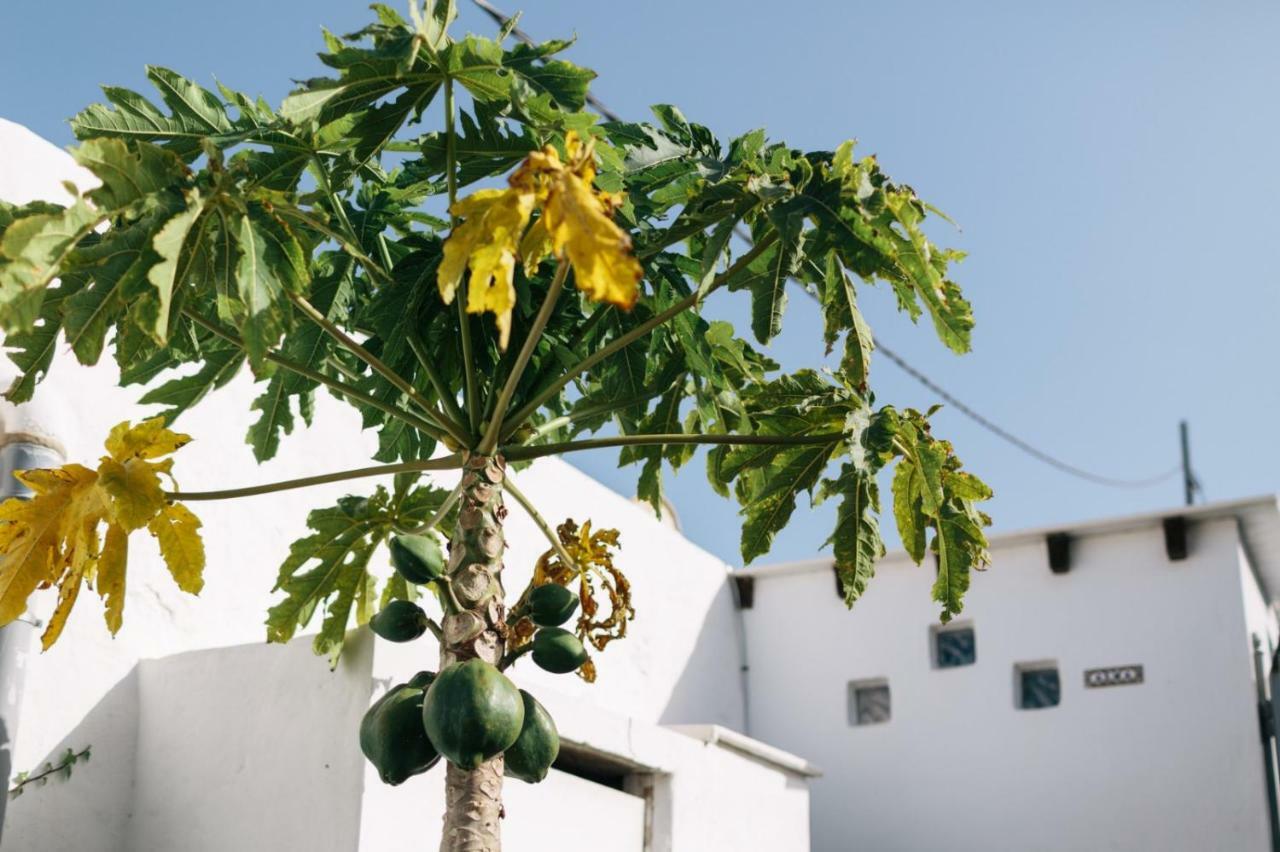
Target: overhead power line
pixel 1014 439
pixel 502 19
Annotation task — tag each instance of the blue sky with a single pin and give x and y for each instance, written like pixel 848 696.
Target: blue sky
pixel 1113 168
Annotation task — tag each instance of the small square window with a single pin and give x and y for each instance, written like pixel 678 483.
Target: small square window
pixel 954 647
pixel 1038 687
pixel 868 702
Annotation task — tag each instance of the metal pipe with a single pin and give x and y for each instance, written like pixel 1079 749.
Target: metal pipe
pixel 23 446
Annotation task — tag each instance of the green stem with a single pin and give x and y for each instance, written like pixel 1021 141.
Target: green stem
pixel 339 209
pixel 449 462
pixel 431 522
pixel 591 410
pixel 315 376
pixel 490 439
pixel 347 245
pixel 471 395
pixel 513 422
pixel 446 585
pixel 541 523
pixel 511 656
pixel 525 453
pixel 580 335
pixel 385 253
pixel 69 758
pixel 447 399
pixel 688 229
pixel 378 366
pixel 347 373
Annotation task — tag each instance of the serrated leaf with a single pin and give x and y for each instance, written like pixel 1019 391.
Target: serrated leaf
pixel 276 418
pixel 32 249
pixel 32 351
pixel 171 243
pixel 53 538
pixel 177 529
pixel 220 367
pixel 790 472
pixel 856 540
pixel 960 545
pixel 128 173
pixel 907 512
pixel 270 267
pixel 841 315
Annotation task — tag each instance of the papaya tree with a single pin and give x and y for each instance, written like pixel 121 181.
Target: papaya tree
pixel 441 235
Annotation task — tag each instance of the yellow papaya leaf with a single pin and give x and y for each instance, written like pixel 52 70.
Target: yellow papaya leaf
pixel 576 225
pixel 52 539
pixel 579 221
pixel 177 530
pixel 68 591
pixel 463 240
pixel 32 534
pixel 111 569
pixel 536 246
pixel 148 440
pixel 134 489
pixel 486 241
pixel 582 231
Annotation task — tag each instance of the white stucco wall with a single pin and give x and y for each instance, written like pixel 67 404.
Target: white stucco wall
pixel 1174 763
pixel 705 797
pixel 249 748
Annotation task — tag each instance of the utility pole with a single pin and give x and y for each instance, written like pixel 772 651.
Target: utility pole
pixel 1189 484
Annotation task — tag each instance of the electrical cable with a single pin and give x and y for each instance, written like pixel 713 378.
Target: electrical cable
pixel 501 18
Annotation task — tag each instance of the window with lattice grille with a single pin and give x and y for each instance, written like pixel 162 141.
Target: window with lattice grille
pixel 954 647
pixel 1039 687
pixel 869 702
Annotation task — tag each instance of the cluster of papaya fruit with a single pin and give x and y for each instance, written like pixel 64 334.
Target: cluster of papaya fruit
pixel 470 712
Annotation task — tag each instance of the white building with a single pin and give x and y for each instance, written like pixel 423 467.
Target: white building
pixel 1098 693
pixel 992 733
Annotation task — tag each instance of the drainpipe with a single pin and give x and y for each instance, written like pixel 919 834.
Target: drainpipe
pixel 26 442
pixel 1267 723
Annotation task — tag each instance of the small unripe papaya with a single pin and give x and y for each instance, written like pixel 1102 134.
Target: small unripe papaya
pixel 551 605
pixel 392 735
pixel 557 650
pixel 400 621
pixel 418 558
pixel 533 752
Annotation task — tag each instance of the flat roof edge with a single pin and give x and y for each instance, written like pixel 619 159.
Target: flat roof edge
pixel 734 741
pixel 1101 526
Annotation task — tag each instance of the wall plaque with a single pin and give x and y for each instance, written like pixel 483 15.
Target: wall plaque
pixel 1113 676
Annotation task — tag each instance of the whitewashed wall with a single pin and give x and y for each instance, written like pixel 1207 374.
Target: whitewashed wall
pixel 1174 763
pixel 705 797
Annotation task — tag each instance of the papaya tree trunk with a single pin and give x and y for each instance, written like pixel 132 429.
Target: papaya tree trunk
pixel 473 799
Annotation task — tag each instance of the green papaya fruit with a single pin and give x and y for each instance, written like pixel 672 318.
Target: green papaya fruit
pixel 551 605
pixel 392 735
pixel 557 650
pixel 418 558
pixel 472 713
pixel 400 621
pixel 533 752
pixel 422 680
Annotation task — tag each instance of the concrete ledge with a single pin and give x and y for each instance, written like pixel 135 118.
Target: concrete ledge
pixel 730 739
